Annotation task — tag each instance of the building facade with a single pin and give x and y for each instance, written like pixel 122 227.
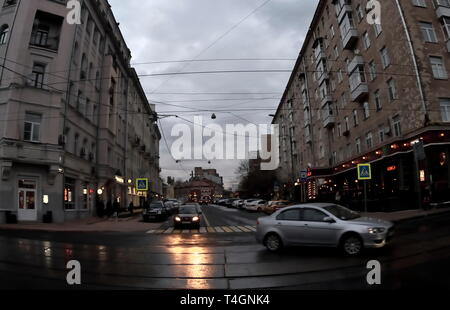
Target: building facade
pixel 76 127
pixel 364 92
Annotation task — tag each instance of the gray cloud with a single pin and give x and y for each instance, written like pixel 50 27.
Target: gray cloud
pixel 180 29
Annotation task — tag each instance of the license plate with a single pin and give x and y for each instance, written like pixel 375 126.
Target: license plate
pixel 186 222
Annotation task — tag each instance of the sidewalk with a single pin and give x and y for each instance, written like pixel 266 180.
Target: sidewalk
pixel 401 216
pixel 92 224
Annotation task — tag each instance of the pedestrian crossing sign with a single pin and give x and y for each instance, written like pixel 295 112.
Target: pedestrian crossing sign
pixel 142 185
pixel 364 172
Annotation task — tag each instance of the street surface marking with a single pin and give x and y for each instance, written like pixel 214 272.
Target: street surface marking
pixel 204 230
pixel 227 229
pixel 235 229
pixel 169 230
pixel 252 228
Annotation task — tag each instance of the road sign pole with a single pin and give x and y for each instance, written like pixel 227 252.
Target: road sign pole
pixel 365 196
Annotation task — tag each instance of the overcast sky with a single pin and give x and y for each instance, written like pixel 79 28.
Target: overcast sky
pixel 166 30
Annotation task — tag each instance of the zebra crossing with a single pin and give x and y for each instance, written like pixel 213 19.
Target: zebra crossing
pixel 204 230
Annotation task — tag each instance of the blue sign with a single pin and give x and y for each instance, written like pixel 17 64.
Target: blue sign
pixel 364 172
pixel 142 184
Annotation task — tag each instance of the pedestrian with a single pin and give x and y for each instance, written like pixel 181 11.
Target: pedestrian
pixel 131 207
pixel 116 207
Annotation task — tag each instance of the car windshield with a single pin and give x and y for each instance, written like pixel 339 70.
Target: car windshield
pixel 156 205
pixel 342 212
pixel 188 210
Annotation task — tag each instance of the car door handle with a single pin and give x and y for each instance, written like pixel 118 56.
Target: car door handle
pixel 279 224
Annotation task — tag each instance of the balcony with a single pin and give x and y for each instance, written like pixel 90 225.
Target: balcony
pixel 325 100
pixel 356 61
pixel 442 11
pixel 319 56
pixel 324 76
pixel 359 92
pixel 350 38
pixel 347 8
pixel 329 121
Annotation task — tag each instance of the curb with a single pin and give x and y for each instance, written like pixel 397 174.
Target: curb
pixel 420 216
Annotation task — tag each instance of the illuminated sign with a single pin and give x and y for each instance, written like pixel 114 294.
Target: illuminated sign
pixel 120 180
pixel 422 175
pixel 391 168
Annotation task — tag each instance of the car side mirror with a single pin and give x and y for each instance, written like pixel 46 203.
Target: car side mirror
pixel 329 219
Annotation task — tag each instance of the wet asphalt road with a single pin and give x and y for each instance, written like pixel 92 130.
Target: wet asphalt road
pixel 419 257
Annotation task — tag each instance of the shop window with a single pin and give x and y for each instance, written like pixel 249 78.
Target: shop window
pixel 69 194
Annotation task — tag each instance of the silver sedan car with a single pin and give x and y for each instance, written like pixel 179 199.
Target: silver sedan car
pixel 323 224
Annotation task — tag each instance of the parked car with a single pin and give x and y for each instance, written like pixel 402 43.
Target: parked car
pixel 189 214
pixel 238 203
pixel 273 206
pixel 172 205
pixel 156 211
pixel 229 203
pixel 248 201
pixel 322 224
pixel 256 206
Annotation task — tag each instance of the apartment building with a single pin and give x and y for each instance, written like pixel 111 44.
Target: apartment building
pixel 370 93
pixel 75 124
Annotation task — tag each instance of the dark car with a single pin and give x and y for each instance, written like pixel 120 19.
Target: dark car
pixel 188 215
pixel 156 211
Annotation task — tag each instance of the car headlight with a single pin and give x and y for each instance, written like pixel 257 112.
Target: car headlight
pixel 376 230
pixel 177 219
pixel 195 219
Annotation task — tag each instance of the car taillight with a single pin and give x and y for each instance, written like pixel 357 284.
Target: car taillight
pixel 257 222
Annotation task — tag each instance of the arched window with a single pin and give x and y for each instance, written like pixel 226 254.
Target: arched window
pixel 4 31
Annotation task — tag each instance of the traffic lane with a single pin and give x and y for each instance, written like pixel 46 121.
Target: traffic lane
pixel 222 216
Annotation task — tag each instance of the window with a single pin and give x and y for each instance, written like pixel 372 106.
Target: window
pixel 446 27
pixel 381 134
pixel 437 65
pixel 385 57
pixel 372 70
pixel 360 13
pixel 392 90
pixel 4 30
pixel 358 146
pixel 366 110
pixel 378 29
pixel 336 52
pixel 442 2
pixel 313 215
pixel 289 215
pixel 75 144
pixel 339 74
pixel 339 129
pixel 377 100
pixel 69 194
pixel 420 3
pixel 429 35
pixel 40 36
pixel 32 127
pixel 366 40
pixel 445 110
pixel 369 140
pixel 397 126
pixel 332 31
pixel 38 75
pixel 347 126
pixel 355 118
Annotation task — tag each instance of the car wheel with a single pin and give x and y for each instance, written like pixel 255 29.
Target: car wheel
pixel 273 243
pixel 352 245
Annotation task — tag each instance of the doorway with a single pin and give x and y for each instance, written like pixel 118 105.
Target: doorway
pixel 27 201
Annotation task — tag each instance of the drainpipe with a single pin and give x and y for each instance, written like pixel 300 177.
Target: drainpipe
pixel 413 56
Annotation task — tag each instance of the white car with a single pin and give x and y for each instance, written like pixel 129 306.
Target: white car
pixel 256 205
pixel 237 203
